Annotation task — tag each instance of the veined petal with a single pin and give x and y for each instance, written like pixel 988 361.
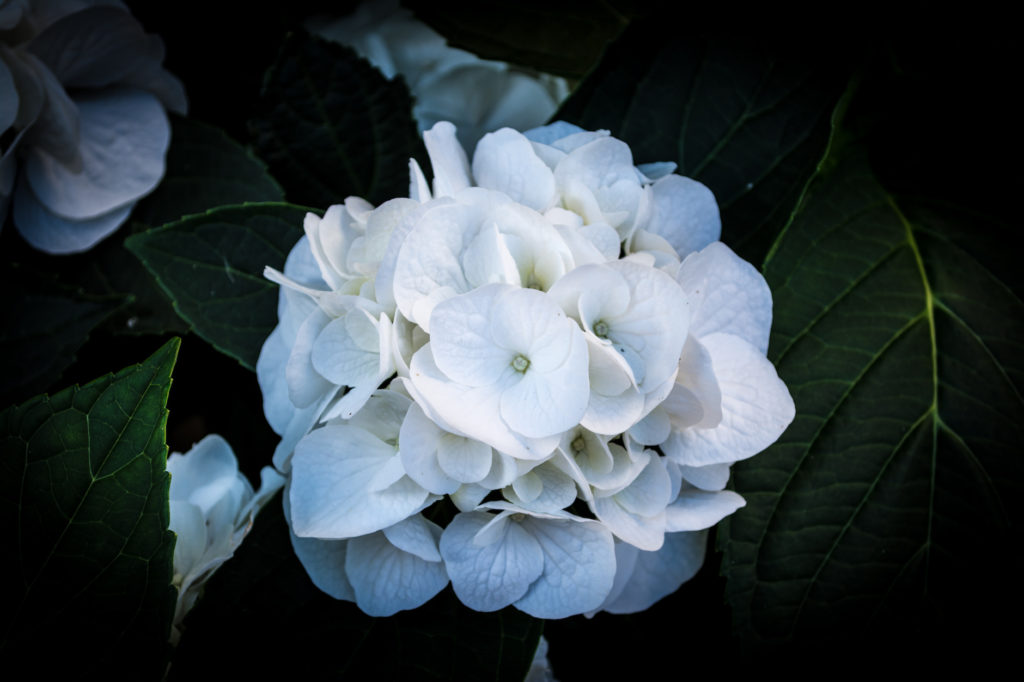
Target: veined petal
pixel 490 577
pixel 579 567
pixel 387 579
pixel 756 407
pixel 728 295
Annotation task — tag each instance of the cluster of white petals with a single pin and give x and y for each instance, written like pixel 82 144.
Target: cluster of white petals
pixel 551 338
pixel 447 84
pixel 82 118
pixel 212 509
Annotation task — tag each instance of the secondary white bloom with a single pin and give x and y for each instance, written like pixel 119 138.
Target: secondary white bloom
pixel 547 335
pixel 447 84
pixel 212 510
pixel 82 98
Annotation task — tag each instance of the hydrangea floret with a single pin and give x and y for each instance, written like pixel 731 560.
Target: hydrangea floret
pixel 83 126
pixel 212 510
pixel 529 378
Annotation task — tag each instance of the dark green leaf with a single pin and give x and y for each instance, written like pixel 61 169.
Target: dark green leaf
pixel 45 323
pixel 564 39
pixel 331 126
pixel 205 169
pixel 887 510
pixel 87 555
pixel 261 617
pixel 747 121
pixel 211 266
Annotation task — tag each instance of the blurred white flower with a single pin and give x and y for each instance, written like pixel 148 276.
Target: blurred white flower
pixel 82 120
pixel 448 84
pixel 212 510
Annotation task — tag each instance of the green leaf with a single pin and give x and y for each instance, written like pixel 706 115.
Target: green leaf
pixel 45 323
pixel 748 122
pixel 211 266
pixel 87 555
pixel 331 126
pixel 205 169
pixel 887 510
pixel 262 601
pixel 565 39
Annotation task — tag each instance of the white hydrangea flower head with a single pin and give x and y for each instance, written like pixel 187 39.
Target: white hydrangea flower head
pixel 529 379
pixel 447 84
pixel 212 510
pixel 82 98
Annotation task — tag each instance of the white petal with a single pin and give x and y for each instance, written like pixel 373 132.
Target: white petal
pixel 490 577
pixel 386 579
pixel 346 350
pixel 270 372
pixel 418 187
pixel 699 509
pixel 579 567
pixel 305 384
pixel 756 407
pixel 299 424
pixel 658 574
pixel 464 459
pixel 124 136
pixel 416 536
pixel 505 161
pixel 418 443
pixel 462 338
pixel 556 490
pixel 552 132
pixel 204 474
pixel 331 474
pixel 710 477
pixel 652 429
pixel 473 412
pixel 728 295
pixel 324 561
pixel 447 158
pixel 643 532
pixel 685 213
pixel 189 524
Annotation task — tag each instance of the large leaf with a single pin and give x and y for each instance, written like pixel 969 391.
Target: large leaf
pixel 887 510
pixel 564 39
pixel 261 617
pixel 744 119
pixel 45 323
pixel 83 524
pixel 331 126
pixel 211 266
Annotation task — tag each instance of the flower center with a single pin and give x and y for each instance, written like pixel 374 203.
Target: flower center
pixel 579 445
pixel 520 363
pixel 601 329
